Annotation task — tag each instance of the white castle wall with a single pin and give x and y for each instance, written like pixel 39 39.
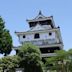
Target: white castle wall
pixel 43 36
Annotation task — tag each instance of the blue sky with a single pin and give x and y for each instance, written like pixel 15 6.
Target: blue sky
pixel 15 13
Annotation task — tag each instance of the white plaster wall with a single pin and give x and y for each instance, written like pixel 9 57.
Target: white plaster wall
pixel 30 37
pixel 20 38
pixel 47 36
pixel 47 26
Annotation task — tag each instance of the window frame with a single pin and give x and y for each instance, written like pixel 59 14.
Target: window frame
pixel 36 36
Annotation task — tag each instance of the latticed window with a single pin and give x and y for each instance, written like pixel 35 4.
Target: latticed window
pixel 36 36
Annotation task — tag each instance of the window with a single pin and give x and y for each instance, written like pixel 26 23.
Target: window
pixel 23 36
pixel 36 36
pixel 50 33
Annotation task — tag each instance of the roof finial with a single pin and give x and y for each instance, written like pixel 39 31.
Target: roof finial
pixel 40 13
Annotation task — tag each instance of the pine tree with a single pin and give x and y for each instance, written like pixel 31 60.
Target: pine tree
pixel 5 39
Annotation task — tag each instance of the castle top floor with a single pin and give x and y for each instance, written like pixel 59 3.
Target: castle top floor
pixel 42 20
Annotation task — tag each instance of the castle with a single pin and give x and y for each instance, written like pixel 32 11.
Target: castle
pixel 44 34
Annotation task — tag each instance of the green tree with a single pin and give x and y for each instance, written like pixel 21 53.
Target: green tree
pixel 30 58
pixel 5 39
pixel 58 61
pixel 10 63
pixel 69 64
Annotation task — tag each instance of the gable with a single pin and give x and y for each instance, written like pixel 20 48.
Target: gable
pixel 37 27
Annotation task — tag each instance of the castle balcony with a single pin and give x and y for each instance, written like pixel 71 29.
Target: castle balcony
pixel 43 43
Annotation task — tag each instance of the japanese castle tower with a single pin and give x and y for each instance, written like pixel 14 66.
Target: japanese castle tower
pixel 44 34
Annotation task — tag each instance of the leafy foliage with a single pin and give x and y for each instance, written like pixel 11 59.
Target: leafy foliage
pixel 62 61
pixel 9 62
pixel 5 39
pixel 30 58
